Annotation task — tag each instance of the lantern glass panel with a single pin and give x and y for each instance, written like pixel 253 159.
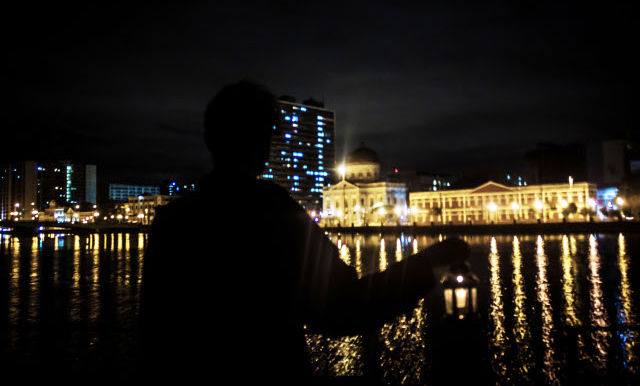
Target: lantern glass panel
pixel 461 298
pixel 448 301
pixel 474 299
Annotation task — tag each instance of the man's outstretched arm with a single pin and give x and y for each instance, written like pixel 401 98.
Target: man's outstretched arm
pixel 335 301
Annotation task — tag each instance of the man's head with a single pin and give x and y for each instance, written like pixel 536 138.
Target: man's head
pixel 238 124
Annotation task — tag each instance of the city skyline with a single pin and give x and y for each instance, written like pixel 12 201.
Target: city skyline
pixel 449 87
pixel 320 193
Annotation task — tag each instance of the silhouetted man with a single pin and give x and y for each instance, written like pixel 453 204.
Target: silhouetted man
pixel 234 272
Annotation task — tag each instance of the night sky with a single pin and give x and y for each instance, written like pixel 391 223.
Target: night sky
pixel 436 86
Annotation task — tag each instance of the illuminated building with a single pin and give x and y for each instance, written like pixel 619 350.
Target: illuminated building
pixel 175 188
pixel 141 209
pixel 74 214
pixel 66 182
pixel 302 152
pixel 361 199
pixel 492 202
pixel 32 185
pixel 362 165
pixel 122 192
pixel 18 189
pixel 512 180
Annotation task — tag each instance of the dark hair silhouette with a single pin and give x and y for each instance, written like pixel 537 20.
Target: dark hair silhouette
pixel 238 123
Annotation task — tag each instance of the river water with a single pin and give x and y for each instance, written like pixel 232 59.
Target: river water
pixel 553 308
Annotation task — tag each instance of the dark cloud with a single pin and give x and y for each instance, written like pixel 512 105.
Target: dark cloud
pixel 429 84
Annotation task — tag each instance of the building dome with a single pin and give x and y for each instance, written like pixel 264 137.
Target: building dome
pixel 363 155
pixel 362 165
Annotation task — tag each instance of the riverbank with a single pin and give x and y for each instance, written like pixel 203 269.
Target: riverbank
pixel 478 229
pixel 492 229
pixel 32 227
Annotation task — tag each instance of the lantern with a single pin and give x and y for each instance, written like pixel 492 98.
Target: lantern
pixel 460 292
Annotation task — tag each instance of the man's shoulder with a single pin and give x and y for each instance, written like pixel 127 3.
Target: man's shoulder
pixel 271 189
pixel 180 207
pixel 275 195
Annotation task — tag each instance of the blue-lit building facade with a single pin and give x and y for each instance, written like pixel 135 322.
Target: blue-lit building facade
pixel 122 192
pixel 302 152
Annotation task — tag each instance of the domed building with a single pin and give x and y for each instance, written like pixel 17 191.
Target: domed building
pixel 361 198
pixel 362 164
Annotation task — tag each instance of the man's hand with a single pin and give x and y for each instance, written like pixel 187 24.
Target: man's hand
pixel 450 252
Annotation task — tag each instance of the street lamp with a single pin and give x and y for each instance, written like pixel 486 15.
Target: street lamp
pixel 460 291
pixel 515 207
pixel 493 208
pixel 539 205
pixel 342 170
pixel 619 201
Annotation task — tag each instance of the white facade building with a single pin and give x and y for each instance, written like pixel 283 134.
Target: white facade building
pixel 492 202
pixel 361 199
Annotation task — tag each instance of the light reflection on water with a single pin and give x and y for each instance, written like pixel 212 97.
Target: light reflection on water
pixel 626 312
pixel 521 330
pixel 402 353
pixel 70 295
pixel 600 336
pixel 528 326
pixel 538 295
pixel 550 365
pixel 498 339
pixel 401 345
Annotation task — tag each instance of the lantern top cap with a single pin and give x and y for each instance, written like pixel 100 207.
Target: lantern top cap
pixel 459 275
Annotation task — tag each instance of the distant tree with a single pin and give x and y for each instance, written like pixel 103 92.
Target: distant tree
pixel 587 212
